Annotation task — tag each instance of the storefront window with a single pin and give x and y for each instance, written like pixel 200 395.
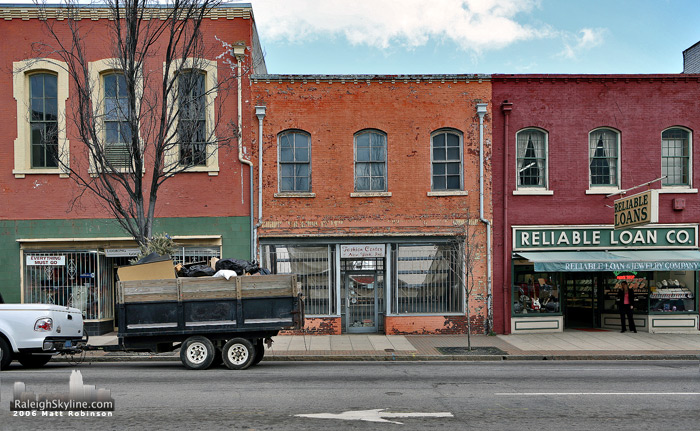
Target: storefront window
pixel 637 282
pixel 535 293
pixel 673 292
pixel 312 266
pixel 427 280
pixel 72 278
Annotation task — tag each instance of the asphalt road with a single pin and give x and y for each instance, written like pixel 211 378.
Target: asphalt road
pixel 522 395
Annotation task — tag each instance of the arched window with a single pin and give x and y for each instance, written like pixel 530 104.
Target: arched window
pixel 675 157
pixel 603 153
pixel 446 160
pixel 294 161
pixel 370 161
pixel 531 162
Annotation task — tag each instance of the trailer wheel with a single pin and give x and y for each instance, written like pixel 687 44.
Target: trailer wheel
pixel 259 352
pixel 33 361
pixel 238 354
pixel 5 354
pixel 197 353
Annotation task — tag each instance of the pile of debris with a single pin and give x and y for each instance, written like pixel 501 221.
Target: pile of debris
pixel 155 266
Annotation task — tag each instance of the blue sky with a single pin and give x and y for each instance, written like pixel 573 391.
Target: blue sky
pixel 476 36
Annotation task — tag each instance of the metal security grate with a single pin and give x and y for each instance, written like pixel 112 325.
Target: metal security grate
pixel 314 270
pixel 427 280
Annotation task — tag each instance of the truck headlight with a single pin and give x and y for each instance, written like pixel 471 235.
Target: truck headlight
pixel 44 324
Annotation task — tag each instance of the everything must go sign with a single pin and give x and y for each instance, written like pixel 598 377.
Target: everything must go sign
pixel 604 237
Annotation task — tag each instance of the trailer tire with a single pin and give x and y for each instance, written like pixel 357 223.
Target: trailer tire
pixel 197 353
pixel 5 354
pixel 238 354
pixel 259 352
pixel 33 361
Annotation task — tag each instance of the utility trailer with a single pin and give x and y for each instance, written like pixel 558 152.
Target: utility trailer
pixel 211 320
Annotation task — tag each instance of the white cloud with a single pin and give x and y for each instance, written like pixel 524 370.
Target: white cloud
pixel 473 25
pixel 586 39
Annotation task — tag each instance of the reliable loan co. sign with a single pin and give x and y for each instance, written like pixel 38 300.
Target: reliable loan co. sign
pixel 604 237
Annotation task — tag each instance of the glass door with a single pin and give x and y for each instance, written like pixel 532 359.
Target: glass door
pixel 361 292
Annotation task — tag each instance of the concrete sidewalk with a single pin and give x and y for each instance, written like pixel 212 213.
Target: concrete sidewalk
pixel 570 344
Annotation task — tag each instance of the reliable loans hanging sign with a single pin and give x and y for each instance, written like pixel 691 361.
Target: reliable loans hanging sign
pixel 637 210
pixel 553 238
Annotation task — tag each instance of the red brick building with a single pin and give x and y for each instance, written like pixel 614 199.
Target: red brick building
pixel 206 208
pixel 368 186
pixel 566 147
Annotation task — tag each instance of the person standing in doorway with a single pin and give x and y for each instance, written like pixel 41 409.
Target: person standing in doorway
pixel 625 303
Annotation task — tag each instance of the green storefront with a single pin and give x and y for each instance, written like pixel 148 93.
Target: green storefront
pixel 568 277
pixel 73 262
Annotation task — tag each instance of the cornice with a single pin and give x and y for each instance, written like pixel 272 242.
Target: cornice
pixel 26 13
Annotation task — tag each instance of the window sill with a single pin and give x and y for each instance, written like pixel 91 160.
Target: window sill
pixel 533 192
pixel 21 173
pixel 677 190
pixel 212 171
pixel 603 191
pixel 294 195
pixel 449 193
pixel 370 194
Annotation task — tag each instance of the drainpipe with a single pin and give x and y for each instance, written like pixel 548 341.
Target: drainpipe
pixel 260 113
pixel 506 108
pixel 481 110
pixel 239 53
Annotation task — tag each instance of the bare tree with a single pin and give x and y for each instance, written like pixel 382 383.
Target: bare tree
pixel 471 252
pixel 152 113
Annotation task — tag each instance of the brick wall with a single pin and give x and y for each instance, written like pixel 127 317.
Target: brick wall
pixel 186 195
pixel 568 107
pixel 318 326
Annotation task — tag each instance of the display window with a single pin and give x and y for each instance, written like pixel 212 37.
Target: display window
pixel 673 292
pixel 535 293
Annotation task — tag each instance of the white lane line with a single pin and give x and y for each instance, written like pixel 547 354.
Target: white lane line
pixel 591 393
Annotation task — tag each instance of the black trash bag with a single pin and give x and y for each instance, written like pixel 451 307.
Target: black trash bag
pixel 265 271
pixel 241 267
pixel 153 257
pixel 196 271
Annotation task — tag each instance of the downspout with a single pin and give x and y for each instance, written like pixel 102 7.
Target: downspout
pixel 506 108
pixel 239 53
pixel 481 110
pixel 260 112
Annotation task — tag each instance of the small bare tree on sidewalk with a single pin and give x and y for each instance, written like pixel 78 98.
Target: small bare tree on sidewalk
pixel 148 111
pixel 470 249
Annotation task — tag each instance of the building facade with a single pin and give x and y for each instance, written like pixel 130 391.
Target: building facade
pixel 370 192
pixel 61 250
pixel 567 147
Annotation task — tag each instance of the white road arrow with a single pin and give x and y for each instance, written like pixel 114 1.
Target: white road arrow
pixel 374 415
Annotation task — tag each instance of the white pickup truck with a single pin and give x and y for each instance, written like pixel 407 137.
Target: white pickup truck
pixel 33 333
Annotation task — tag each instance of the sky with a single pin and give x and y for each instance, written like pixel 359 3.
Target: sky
pixel 474 36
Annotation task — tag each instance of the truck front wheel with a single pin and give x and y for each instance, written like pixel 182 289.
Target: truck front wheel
pixel 238 354
pixel 197 353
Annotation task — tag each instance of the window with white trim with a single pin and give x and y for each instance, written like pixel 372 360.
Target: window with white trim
pixel 603 155
pixel 116 116
pixel 531 162
pixel 370 161
pixel 675 157
pixel 40 89
pixel 294 162
pixel 446 160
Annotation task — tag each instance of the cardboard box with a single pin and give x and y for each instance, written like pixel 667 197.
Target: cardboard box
pixel 163 270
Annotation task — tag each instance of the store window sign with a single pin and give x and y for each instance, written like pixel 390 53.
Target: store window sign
pixel 33 260
pixel 121 252
pixel 549 238
pixel 362 250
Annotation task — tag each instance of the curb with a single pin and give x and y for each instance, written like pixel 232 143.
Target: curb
pixel 412 358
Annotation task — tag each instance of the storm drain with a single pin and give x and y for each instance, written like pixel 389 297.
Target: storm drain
pixel 473 351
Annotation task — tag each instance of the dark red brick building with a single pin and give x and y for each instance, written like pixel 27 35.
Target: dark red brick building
pixel 567 146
